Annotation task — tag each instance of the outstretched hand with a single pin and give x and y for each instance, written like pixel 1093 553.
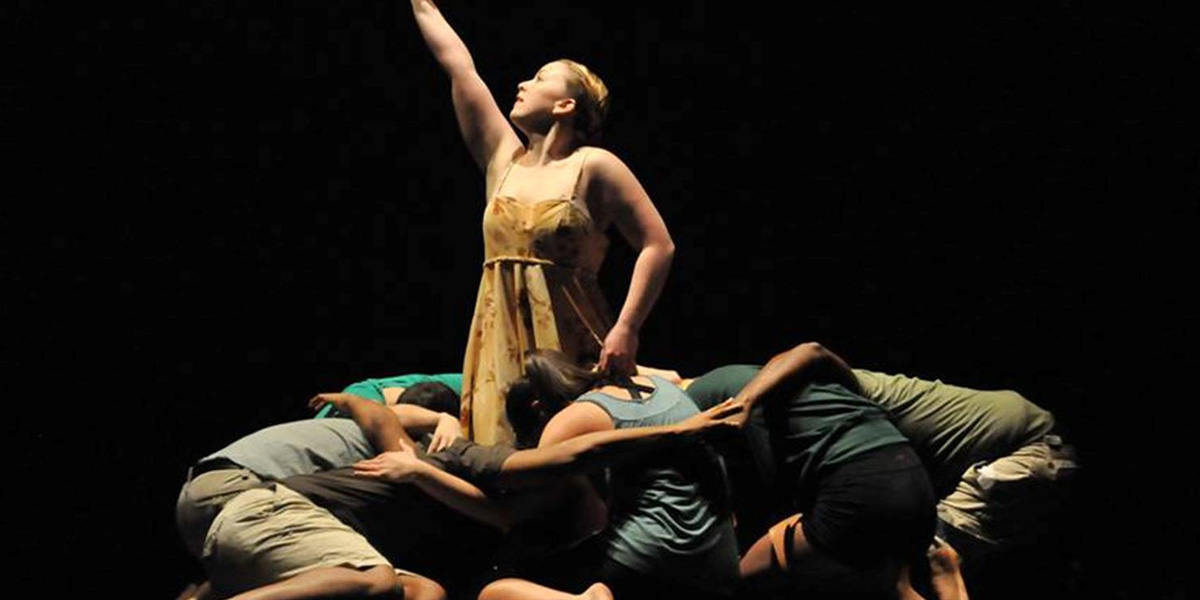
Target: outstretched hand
pixel 398 466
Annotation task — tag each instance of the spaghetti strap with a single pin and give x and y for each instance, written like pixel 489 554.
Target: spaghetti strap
pixel 503 178
pixel 579 175
pixel 581 203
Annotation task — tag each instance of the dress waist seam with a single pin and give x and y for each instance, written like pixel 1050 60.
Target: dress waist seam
pixel 531 260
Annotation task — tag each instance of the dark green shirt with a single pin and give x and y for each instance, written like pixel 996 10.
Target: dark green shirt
pixel 821 426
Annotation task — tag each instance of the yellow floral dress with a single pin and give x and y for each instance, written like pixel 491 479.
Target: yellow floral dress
pixel 538 290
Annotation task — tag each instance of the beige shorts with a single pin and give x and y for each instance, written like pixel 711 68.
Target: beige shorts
pixel 202 498
pixel 267 535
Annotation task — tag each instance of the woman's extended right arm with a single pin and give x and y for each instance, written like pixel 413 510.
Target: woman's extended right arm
pixel 484 128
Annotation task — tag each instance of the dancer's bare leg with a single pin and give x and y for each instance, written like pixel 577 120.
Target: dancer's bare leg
pixel 945 574
pixel 761 567
pixel 200 591
pixel 519 589
pixel 904 588
pixel 417 587
pixel 332 582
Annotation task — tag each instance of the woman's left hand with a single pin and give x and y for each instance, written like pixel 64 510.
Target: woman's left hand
pixel 619 355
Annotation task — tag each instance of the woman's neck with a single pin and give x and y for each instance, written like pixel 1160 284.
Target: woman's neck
pixel 543 149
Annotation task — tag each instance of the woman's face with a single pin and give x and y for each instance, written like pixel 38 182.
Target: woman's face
pixel 537 98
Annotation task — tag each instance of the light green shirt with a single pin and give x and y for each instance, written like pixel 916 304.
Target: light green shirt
pixel 953 427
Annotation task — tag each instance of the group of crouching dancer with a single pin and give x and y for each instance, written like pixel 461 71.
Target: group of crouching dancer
pixel 841 482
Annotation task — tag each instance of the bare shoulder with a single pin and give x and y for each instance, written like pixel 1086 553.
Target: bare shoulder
pixel 573 421
pixel 602 164
pixel 611 186
pixel 501 160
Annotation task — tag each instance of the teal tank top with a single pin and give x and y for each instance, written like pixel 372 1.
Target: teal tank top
pixel 665 517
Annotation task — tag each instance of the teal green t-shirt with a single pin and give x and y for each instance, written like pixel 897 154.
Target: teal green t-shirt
pixel 372 389
pixel 821 426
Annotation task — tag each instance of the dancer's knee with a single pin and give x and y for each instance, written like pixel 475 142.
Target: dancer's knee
pixel 382 583
pixel 417 587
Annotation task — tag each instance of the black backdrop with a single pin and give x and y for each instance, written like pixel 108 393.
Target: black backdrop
pixel 238 204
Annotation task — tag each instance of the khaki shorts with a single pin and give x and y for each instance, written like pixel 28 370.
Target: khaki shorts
pixel 270 534
pixel 201 500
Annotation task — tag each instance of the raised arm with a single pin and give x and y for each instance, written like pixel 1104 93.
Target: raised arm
pixel 640 224
pixel 380 425
pixel 789 371
pixel 484 128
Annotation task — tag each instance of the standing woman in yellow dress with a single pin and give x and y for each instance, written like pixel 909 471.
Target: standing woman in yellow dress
pixel 549 202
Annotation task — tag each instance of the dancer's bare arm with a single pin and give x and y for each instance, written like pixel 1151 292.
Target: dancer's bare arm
pixel 445 427
pixel 484 128
pixel 588 451
pixel 330 582
pixel 789 371
pixel 453 491
pixel 380 425
pixel 548 468
pixel 622 197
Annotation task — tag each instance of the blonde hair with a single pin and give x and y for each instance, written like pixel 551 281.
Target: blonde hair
pixel 591 100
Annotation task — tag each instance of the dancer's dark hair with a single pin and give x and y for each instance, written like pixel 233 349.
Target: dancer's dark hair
pixel 432 395
pixel 551 381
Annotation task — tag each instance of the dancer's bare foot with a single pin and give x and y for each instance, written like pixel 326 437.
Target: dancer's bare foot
pixel 944 571
pixel 193 591
pixel 598 591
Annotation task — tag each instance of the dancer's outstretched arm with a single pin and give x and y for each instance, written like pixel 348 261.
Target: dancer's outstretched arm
pixel 484 128
pixel 787 372
pixel 380 425
pixel 588 451
pixel 459 494
pixel 539 467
